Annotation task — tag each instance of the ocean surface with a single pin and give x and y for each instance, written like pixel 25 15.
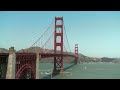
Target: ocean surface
pixel 82 71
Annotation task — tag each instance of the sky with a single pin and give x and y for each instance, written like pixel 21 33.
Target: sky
pixel 97 33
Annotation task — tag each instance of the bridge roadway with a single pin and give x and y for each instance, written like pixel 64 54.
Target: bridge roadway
pixel 14 65
pixel 22 56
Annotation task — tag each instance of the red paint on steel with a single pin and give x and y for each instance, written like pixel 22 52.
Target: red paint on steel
pixel 25 61
pixel 76 50
pixel 58 61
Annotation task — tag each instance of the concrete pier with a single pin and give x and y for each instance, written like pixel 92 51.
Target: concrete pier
pixel 11 64
pixel 37 65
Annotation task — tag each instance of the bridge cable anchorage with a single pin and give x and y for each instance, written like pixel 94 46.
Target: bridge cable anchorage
pixel 46 41
pixel 66 37
pixel 42 34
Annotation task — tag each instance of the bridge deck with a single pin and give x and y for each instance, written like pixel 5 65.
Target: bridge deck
pixel 4 54
pixel 43 55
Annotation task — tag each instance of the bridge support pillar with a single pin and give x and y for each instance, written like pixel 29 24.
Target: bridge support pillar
pixel 76 53
pixel 11 64
pixel 58 71
pixel 58 45
pixel 37 65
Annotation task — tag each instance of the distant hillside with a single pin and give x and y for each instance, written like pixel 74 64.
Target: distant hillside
pixel 34 50
pixel 106 59
pixel 114 60
pixel 82 57
pixel 3 50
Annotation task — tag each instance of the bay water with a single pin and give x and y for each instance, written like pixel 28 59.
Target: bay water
pixel 82 71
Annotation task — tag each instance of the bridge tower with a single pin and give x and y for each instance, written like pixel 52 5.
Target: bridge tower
pixel 76 50
pixel 76 53
pixel 58 34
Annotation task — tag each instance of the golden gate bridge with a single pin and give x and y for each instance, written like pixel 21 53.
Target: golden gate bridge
pixel 25 64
